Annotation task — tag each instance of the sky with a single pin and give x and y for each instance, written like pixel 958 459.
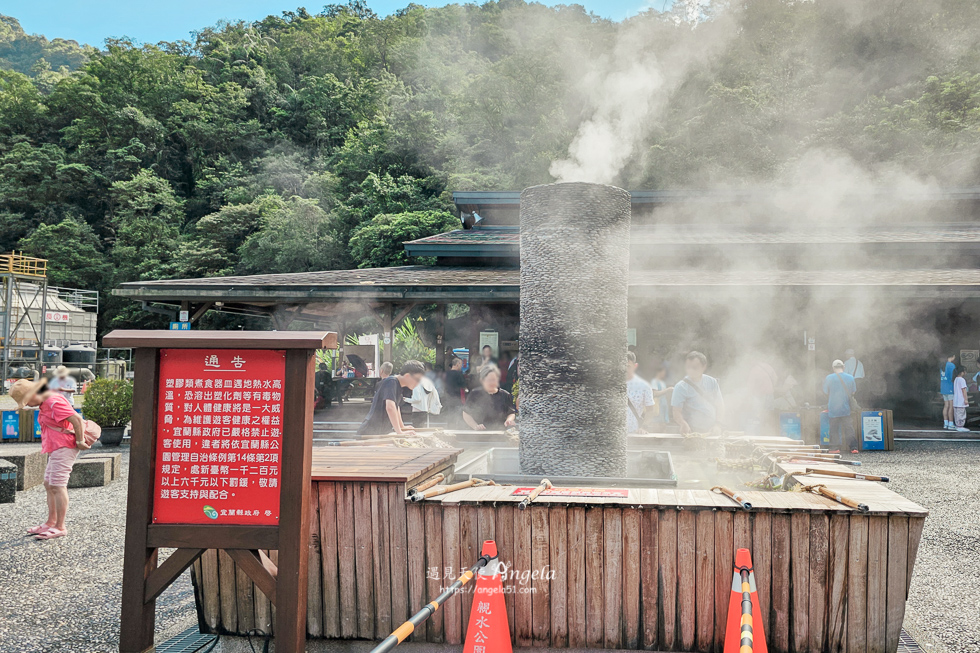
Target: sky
pixel 93 21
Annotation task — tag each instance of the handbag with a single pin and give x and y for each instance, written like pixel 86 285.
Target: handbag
pixel 852 402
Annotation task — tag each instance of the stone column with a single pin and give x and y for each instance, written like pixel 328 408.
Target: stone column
pixel 575 240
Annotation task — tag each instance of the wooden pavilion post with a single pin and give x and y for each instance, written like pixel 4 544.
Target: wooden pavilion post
pixel 440 315
pixel 286 584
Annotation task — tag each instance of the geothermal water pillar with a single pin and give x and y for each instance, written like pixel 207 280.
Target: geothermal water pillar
pixel 575 241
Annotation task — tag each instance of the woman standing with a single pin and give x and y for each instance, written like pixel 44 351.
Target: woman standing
pixel 488 407
pixel 62 436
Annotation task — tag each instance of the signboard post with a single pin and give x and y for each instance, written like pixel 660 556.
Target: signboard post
pixel 220 459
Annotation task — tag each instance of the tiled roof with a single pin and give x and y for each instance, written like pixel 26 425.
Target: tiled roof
pixel 509 237
pixel 462 284
pixel 409 275
pixel 507 240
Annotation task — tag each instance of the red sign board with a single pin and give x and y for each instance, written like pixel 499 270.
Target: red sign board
pixel 219 436
pixel 573 492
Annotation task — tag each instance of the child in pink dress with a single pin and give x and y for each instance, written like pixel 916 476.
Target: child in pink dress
pixel 62 436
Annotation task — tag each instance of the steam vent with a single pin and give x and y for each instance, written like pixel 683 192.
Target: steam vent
pixel 575 240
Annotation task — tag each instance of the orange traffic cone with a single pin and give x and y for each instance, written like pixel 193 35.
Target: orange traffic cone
pixel 488 631
pixel 745 633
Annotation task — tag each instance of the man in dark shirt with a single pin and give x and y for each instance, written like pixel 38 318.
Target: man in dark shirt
pixel 489 407
pixel 385 414
pixel 322 382
pixel 455 391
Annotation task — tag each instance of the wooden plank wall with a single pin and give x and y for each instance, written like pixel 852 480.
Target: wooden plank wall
pixel 603 576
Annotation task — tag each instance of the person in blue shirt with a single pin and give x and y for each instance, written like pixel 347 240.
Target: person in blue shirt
pixel 839 386
pixel 946 376
pixel 696 403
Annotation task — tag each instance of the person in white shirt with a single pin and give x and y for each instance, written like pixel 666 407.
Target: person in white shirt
pixel 960 400
pixel 64 383
pixel 852 365
pixel 639 396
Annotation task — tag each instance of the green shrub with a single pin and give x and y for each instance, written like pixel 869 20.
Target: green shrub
pixel 108 402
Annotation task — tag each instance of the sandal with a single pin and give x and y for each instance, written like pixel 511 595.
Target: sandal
pixel 37 530
pixel 52 534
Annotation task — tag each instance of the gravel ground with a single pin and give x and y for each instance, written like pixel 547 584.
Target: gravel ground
pixel 63 595
pixel 944 477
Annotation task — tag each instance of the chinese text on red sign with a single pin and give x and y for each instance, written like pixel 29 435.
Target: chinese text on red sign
pixel 219 436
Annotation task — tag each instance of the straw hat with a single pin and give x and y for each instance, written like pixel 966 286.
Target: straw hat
pixel 23 390
pixel 60 371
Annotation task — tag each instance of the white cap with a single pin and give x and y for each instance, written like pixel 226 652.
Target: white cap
pixel 838 363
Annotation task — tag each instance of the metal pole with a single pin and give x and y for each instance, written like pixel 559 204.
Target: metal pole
pixel 7 299
pixel 407 628
pixel 746 643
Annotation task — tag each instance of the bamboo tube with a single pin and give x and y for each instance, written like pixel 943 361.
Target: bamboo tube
pixel 731 494
pixel 853 463
pixel 544 485
pixel 842 474
pixel 380 442
pixel 425 485
pixel 445 489
pixel 840 498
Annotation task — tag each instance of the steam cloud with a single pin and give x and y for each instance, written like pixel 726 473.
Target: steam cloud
pixel 627 90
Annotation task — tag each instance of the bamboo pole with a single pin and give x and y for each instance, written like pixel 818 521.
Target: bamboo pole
pixel 544 485
pixel 438 478
pixel 843 474
pixel 445 489
pixel 731 494
pixel 840 498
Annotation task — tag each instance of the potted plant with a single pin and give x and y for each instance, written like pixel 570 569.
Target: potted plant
pixel 109 403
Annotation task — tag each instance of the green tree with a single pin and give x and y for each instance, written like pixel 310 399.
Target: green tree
pixel 146 219
pixel 295 236
pixel 379 242
pixel 73 252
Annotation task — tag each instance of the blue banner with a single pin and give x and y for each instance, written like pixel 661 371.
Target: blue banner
pixel 10 425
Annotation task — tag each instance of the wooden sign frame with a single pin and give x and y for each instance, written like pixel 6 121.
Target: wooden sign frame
pixel 284 584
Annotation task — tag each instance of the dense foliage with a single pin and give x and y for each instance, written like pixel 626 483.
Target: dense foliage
pixel 313 141
pixel 109 402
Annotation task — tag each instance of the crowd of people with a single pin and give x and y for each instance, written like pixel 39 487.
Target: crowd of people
pixel 483 399
pixel 481 402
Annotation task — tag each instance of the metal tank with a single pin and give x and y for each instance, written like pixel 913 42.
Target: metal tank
pixel 575 240
pixel 78 356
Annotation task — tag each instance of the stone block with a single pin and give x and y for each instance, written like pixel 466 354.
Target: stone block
pixel 8 481
pixel 115 461
pixel 90 472
pixel 30 464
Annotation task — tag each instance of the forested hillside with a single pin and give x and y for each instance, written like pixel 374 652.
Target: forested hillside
pixel 314 141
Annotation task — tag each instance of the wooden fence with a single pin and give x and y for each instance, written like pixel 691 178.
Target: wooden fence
pixel 650 572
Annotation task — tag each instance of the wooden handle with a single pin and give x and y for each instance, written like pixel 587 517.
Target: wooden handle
pixel 544 485
pixel 842 474
pixel 425 485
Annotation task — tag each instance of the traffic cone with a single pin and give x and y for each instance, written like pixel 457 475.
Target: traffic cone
pixel 744 633
pixel 488 631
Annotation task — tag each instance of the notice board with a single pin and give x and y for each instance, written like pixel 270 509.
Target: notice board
pixel 219 436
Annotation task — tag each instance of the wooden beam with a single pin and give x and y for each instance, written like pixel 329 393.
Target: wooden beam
pixel 211 536
pixel 388 336
pixel 163 576
pixel 294 502
pixel 401 315
pixel 140 561
pixel 251 562
pixel 201 310
pixel 441 315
